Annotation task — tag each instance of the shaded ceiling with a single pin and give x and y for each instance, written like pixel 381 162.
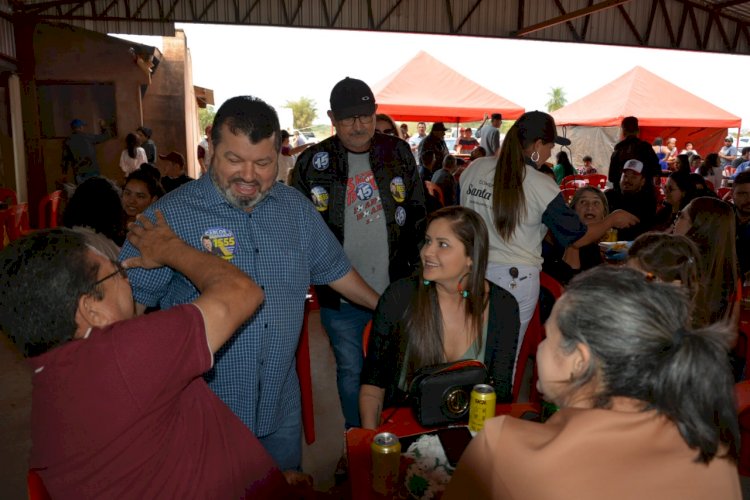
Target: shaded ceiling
pixel 702 25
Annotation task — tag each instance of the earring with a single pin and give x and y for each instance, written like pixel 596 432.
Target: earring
pixel 463 293
pixel 537 156
pixel 426 282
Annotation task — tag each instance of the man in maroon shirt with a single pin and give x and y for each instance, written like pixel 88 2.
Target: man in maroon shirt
pixel 119 407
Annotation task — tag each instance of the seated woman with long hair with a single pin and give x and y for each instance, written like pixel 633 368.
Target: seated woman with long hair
pixel 141 189
pixel 710 224
pixel 646 404
pixel 678 192
pixel 448 312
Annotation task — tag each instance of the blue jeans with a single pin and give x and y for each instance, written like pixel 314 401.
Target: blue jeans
pixel 344 328
pixel 285 445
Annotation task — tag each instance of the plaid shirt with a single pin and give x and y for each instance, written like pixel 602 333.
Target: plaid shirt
pixel 284 245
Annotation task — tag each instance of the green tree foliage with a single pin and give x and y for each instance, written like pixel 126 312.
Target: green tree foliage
pixel 305 111
pixel 206 117
pixel 556 99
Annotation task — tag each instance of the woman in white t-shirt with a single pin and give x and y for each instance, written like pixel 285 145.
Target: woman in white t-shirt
pixel 519 204
pixel 132 156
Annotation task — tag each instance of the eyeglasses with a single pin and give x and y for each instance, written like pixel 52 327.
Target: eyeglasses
pixel 363 119
pixel 389 131
pixel 118 270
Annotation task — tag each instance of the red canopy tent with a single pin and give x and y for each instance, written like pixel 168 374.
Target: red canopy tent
pixel 662 108
pixel 426 89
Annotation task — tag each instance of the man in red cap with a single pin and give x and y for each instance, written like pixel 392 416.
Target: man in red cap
pixel 173 171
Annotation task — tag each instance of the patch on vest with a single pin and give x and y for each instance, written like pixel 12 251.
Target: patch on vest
pixel 320 161
pixel 398 189
pixel 400 216
pixel 319 197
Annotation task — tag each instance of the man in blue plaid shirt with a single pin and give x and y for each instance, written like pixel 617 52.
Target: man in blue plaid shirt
pixel 277 237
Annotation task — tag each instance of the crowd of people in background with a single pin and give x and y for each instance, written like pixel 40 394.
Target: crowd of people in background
pixel 439 250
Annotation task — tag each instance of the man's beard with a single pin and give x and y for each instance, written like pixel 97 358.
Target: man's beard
pixel 243 203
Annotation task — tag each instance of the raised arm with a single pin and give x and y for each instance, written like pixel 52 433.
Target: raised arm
pixel 228 296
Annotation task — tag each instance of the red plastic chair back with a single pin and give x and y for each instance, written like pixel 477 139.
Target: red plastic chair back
pixel 573 181
pixel 48 210
pixel 535 333
pixel 17 221
pixel 435 191
pixel 35 486
pixel 8 196
pixel 304 372
pixel 366 337
pixel 551 284
pixel 596 180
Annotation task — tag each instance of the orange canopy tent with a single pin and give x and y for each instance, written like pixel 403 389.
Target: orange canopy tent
pixel 662 108
pixel 426 89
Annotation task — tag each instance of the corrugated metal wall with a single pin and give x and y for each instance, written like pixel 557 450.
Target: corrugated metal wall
pixel 7 40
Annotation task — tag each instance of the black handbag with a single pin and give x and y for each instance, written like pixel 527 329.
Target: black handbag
pixel 441 394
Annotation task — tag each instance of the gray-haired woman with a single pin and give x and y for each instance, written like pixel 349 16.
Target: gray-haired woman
pixel 647 403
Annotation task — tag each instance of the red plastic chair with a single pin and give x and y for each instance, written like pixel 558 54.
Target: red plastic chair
pixel 35 486
pixel 534 335
pixel 8 196
pixel 48 206
pixel 573 181
pixel 435 191
pixel 17 221
pixel 304 373
pixel 597 180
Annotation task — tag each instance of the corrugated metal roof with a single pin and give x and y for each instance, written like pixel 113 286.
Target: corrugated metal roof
pixel 702 25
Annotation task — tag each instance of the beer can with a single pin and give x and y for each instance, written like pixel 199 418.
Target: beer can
pixel 611 235
pixel 386 457
pixel 482 406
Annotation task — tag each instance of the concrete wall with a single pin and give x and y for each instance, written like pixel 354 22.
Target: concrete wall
pixel 67 54
pixel 169 106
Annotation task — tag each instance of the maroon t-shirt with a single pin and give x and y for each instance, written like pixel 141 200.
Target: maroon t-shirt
pixel 125 413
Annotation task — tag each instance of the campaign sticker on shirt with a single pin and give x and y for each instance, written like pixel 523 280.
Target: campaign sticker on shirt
pixel 320 161
pixel 400 216
pixel 319 197
pixel 398 189
pixel 364 191
pixel 219 241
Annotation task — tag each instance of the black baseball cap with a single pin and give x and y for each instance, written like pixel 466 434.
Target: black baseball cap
pixel 538 125
pixel 352 97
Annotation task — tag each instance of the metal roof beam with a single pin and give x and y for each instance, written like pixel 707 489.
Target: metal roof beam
pixel 469 14
pixel 389 14
pixel 586 11
pixel 631 26
pixel 570 26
